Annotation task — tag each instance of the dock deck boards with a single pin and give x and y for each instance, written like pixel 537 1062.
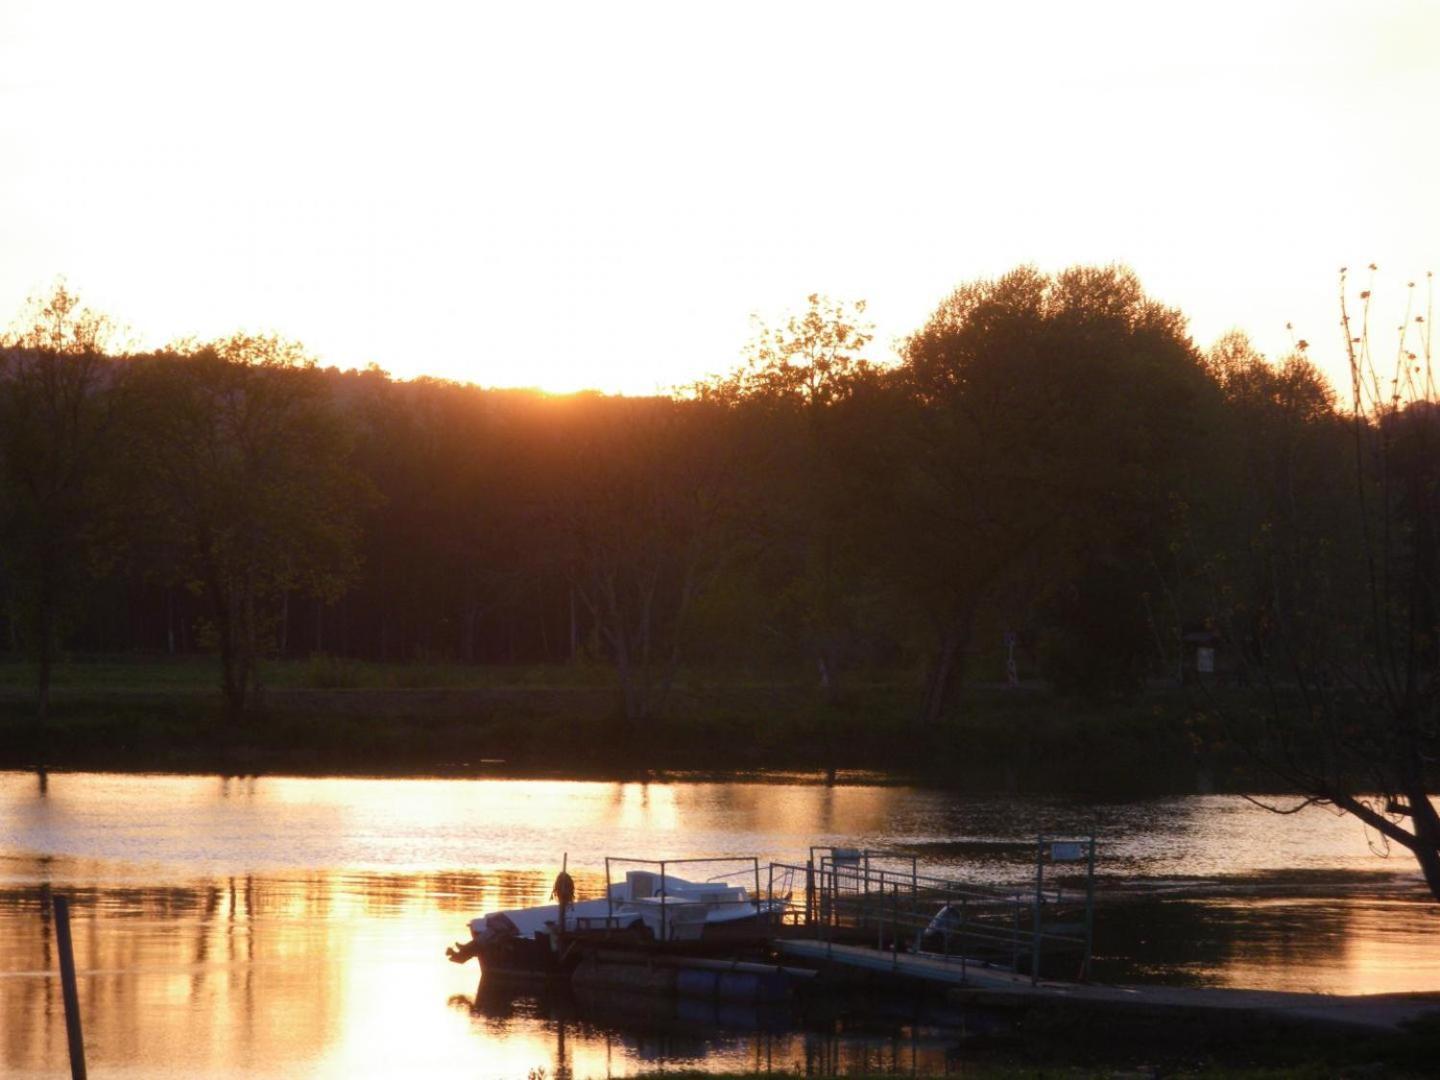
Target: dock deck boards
pixel 1382 1012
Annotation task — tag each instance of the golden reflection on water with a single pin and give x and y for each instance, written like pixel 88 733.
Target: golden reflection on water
pixel 1354 945
pixel 320 972
pixel 288 926
pixel 336 975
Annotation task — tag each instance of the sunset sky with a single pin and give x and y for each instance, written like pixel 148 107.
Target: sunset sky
pixel 600 195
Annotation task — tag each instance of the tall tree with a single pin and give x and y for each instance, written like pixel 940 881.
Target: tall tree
pixel 249 484
pixel 58 397
pixel 794 383
pixel 1056 416
pixel 1344 631
pixel 640 519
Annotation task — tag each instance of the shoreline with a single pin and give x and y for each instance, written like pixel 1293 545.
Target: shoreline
pixel 165 715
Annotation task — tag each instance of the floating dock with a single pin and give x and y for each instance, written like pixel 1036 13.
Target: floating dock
pixel 979 985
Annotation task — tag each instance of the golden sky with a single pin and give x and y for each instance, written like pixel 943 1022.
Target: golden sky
pixel 600 194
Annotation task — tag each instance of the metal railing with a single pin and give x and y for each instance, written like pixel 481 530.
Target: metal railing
pixel 864 895
pixel 674 909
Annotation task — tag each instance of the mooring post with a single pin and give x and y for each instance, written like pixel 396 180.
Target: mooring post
pixel 67 988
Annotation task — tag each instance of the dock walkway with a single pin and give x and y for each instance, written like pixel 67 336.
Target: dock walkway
pixel 987 985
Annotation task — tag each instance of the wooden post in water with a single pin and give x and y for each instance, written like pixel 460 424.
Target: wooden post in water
pixel 67 988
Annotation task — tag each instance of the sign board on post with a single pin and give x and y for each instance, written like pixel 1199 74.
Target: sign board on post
pixel 1205 660
pixel 1069 851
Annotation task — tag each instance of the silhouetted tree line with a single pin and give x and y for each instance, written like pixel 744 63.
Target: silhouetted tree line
pixel 1052 458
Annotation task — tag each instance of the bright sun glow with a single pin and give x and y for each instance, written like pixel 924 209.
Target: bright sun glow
pixel 573 195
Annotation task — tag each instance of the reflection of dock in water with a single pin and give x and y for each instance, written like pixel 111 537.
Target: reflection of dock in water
pixel 830 1037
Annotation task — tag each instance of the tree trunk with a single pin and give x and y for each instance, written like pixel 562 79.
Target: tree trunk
pixel 251 637
pixel 574 628
pixel 829 674
pixel 631 698
pixel 45 644
pixel 1427 837
pixel 46 660
pixel 942 682
pixel 232 686
pixel 467 633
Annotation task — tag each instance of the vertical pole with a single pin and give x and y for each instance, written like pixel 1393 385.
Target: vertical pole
pixel 834 892
pixel 664 933
pixel 895 925
pixel 770 896
pixel 67 988
pixel 880 918
pixel 564 901
pixel 962 940
pixel 810 890
pixel 757 886
pixel 1089 910
pixel 828 911
pixel 1015 934
pixel 609 899
pixel 1039 899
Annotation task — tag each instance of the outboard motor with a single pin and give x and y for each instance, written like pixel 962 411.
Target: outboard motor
pixel 947 919
pixel 497 927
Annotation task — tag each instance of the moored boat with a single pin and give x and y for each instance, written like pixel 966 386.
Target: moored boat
pixel 647 910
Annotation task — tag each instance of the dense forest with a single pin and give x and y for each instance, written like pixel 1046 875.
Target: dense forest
pixel 1051 484
pixel 1052 463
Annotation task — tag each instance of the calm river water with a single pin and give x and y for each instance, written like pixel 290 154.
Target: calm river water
pixel 287 927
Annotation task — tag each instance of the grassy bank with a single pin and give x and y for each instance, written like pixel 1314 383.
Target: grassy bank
pixel 326 715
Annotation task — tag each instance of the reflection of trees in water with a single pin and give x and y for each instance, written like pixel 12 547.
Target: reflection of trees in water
pixel 1335 943
pixel 168 973
pixel 147 957
pixel 779 819
pixel 238 786
pixel 223 970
